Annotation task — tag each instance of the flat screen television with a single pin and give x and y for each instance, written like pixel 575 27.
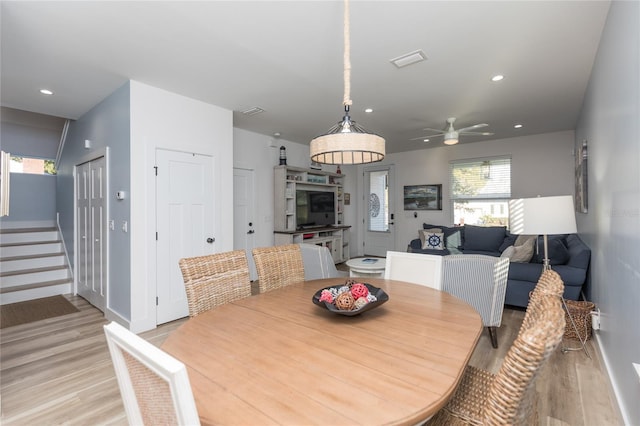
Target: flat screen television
pixel 315 208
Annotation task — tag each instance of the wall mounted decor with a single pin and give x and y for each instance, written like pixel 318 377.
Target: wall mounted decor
pixel 581 178
pixel 423 197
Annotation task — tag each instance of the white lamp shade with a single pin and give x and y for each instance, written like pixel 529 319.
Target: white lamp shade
pixel 347 148
pixel 543 215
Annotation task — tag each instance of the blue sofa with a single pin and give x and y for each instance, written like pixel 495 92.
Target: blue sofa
pixel 569 257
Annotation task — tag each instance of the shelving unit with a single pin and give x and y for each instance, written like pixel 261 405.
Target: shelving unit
pixel 287 180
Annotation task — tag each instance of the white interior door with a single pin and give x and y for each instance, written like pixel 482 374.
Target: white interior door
pixel 185 224
pixel 244 224
pixel 91 232
pixel 379 211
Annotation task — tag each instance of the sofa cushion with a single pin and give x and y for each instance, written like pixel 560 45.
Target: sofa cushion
pixel 484 238
pixel 558 251
pixel 508 241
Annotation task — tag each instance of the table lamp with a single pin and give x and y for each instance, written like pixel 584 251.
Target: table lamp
pixel 543 216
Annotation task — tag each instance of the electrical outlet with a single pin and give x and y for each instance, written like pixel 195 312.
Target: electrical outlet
pixel 595 319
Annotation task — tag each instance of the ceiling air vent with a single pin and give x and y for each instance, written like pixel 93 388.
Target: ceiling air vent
pixel 409 58
pixel 253 111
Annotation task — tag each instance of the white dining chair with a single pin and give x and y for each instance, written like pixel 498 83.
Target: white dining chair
pixel 417 268
pixel 154 385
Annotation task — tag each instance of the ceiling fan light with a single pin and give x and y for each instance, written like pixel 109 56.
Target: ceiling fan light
pixel 451 138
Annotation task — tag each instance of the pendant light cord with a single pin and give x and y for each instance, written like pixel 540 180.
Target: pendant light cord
pixel 347 61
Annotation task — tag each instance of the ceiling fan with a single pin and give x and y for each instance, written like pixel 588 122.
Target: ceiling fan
pixel 451 135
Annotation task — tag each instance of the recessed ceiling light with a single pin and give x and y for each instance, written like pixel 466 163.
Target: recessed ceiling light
pixel 497 77
pixel 425 140
pixel 46 92
pixel 368 110
pixel 517 126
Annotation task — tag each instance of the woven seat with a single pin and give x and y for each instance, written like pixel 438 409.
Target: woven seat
pixel 154 386
pixel 278 266
pixel 215 279
pixel 508 397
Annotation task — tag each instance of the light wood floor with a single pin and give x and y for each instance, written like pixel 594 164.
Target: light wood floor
pixel 58 371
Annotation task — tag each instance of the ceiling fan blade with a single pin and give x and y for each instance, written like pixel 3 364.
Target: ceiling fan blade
pixel 435 130
pixel 475 133
pixel 427 136
pixel 475 126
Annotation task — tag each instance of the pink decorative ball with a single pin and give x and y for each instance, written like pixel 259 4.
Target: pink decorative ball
pixel 326 296
pixel 359 290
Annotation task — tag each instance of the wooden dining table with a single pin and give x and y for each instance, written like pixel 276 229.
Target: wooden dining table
pixel 277 358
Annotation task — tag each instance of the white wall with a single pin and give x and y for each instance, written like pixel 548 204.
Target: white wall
pixel 610 123
pixel 160 119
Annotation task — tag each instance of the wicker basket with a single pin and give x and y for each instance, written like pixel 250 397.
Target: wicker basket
pixel 581 314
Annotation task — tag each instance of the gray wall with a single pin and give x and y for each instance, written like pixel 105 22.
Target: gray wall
pixel 105 125
pixel 32 197
pixel 610 123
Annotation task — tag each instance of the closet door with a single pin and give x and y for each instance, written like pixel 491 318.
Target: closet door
pixel 91 234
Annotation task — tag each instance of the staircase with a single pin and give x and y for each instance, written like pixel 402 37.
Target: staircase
pixel 32 264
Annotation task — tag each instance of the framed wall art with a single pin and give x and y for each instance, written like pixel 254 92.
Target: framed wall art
pixel 582 187
pixel 423 197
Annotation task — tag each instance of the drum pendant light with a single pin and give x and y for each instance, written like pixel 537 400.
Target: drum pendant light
pixel 347 142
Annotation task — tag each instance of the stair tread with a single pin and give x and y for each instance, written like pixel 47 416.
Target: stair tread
pixel 25 230
pixel 35 285
pixel 33 270
pixel 32 256
pixel 30 243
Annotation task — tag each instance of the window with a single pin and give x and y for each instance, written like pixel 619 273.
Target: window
pixel 38 166
pixel 480 191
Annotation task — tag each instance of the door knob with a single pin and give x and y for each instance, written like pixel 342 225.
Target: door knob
pixel 210 240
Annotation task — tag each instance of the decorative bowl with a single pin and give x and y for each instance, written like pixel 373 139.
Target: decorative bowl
pixel 380 295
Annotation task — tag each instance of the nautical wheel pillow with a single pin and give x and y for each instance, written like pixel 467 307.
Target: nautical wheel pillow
pixel 433 241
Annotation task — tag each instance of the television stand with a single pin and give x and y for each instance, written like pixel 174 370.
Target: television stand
pixel 335 238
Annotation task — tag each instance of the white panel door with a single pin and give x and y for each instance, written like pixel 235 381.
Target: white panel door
pixel 185 222
pixel 91 232
pixel 378 215
pixel 243 215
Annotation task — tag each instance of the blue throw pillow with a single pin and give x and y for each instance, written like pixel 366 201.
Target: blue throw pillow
pixel 484 238
pixel 558 251
pixel 509 240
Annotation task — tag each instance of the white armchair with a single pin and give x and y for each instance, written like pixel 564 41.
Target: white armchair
pixel 318 263
pixel 480 281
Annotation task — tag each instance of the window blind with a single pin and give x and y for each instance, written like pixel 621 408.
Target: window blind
pixel 481 179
